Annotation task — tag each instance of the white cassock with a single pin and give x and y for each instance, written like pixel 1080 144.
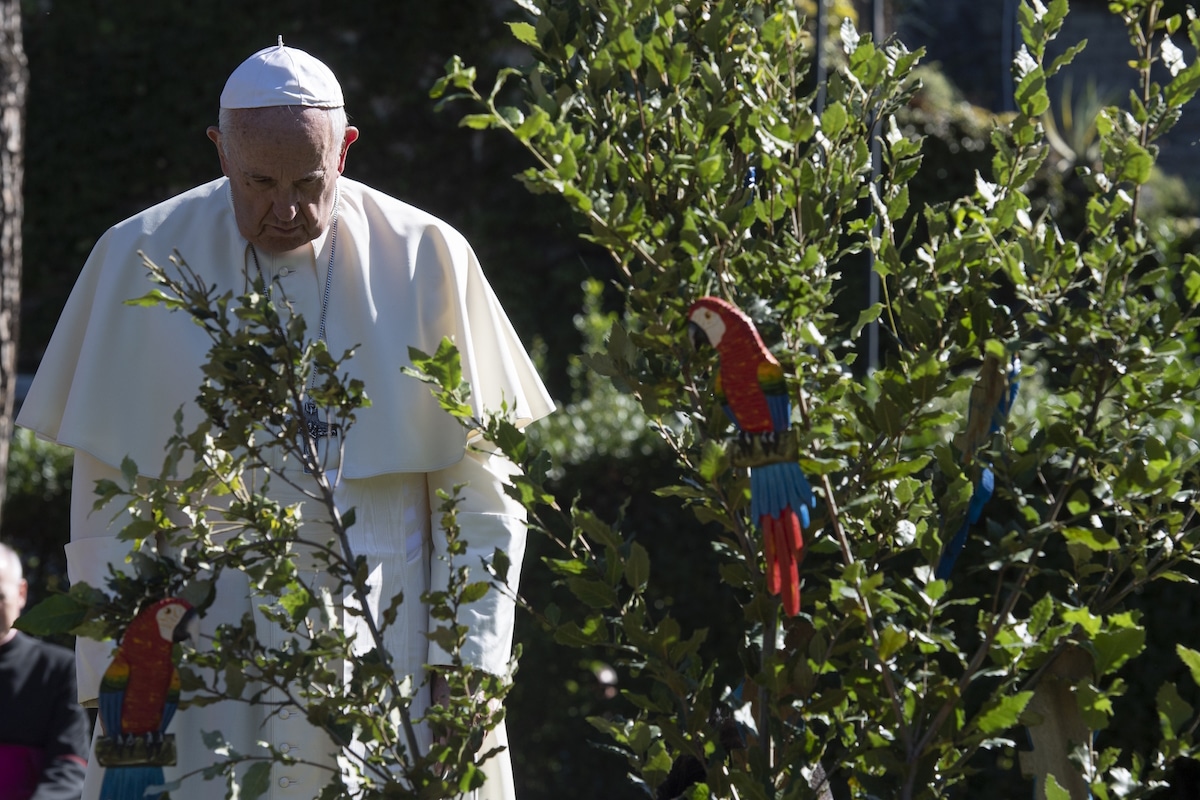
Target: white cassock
pixel 114 375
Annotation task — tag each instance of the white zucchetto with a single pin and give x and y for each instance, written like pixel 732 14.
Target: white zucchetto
pixel 282 76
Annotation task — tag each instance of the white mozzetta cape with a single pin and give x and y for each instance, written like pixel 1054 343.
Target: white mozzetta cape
pixel 114 374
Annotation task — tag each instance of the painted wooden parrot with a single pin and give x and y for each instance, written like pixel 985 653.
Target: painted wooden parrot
pixel 750 385
pixel 992 397
pixel 139 693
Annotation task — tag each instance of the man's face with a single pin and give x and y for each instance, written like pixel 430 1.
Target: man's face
pixel 12 597
pixel 282 164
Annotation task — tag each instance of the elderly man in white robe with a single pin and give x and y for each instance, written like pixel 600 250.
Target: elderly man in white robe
pixel 364 269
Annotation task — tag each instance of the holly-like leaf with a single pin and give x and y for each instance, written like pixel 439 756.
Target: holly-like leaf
pixel 57 614
pixel 1191 658
pixel 257 780
pixel 1002 713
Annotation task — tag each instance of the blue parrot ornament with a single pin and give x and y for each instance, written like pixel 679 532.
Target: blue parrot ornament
pixel 991 401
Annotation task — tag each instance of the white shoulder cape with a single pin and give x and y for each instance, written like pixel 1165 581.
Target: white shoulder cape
pixel 113 375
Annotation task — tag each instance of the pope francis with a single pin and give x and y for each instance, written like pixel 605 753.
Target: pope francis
pixel 366 271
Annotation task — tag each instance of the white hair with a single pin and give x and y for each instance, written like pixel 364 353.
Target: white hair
pixel 10 564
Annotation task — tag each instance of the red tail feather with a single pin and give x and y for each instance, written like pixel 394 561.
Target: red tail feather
pixel 783 546
pixel 769 550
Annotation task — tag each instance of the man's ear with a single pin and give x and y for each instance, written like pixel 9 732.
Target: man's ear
pixel 214 133
pixel 351 138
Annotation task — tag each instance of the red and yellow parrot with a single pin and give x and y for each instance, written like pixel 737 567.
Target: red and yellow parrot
pixel 750 385
pixel 138 696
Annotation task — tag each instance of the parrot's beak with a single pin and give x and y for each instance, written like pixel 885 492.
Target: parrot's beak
pixel 188 628
pixel 697 335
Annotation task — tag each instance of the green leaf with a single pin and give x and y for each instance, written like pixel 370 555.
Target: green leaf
pixel 565 566
pixel 1091 538
pixel 1173 711
pixel 573 635
pixel 833 120
pixel 235 679
pixel 1056 12
pixel 296 603
pixel 637 567
pixel 1184 85
pixel 1066 58
pixel 501 564
pixel 1190 270
pixel 1031 94
pixel 1137 165
pixel 595 528
pixel 713 460
pixel 474 592
pixel 1079 502
pixel 1115 647
pixel 888 417
pixel 644 702
pixel 524 33
pixel 478 122
pixel 155 297
pixel 629 50
pixel 865 318
pixel 680 67
pixel 257 780
pixel 57 614
pixel 1191 658
pixel 1084 619
pixel 890 641
pixel 1054 791
pixel 1003 713
pixel 596 594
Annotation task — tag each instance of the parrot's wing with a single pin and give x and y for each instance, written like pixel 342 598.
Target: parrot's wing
pixel 979 497
pixel 172 701
pixel 112 694
pixel 719 393
pixel 774 389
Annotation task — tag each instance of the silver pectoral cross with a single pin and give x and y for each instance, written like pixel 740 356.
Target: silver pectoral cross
pixel 317 428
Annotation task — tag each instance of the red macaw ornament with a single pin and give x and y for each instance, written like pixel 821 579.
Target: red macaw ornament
pixel 138 696
pixel 751 386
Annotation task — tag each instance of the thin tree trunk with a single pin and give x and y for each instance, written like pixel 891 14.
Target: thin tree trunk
pixel 14 82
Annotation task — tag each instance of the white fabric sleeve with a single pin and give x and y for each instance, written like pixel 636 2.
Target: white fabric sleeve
pixel 93 546
pixel 488 519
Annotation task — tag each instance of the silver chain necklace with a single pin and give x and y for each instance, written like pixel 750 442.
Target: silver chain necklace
pixel 317 428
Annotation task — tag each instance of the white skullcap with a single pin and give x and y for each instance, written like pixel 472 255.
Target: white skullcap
pixel 282 76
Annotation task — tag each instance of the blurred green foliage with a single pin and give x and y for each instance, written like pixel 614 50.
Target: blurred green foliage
pixel 37 510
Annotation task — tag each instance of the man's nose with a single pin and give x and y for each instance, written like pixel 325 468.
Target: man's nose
pixel 286 206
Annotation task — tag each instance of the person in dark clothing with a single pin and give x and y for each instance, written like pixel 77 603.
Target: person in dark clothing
pixel 43 729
